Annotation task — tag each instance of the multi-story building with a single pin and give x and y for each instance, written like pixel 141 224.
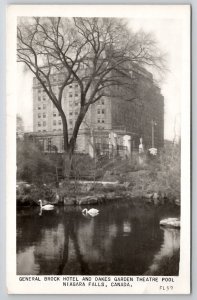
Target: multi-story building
pixel 139 114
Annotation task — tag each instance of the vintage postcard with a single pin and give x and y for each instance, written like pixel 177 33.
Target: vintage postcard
pixel 98 149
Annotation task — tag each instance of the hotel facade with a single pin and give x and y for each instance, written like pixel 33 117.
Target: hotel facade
pixel 111 123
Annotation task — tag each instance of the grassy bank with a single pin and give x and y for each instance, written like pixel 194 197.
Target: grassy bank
pixel 155 178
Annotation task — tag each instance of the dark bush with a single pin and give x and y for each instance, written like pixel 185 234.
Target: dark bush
pixel 33 166
pixel 30 195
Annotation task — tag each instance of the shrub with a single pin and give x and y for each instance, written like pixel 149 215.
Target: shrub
pixel 31 194
pixel 163 173
pixel 168 173
pixel 160 174
pixel 33 165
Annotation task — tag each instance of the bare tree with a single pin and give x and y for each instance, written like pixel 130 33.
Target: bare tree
pixel 97 53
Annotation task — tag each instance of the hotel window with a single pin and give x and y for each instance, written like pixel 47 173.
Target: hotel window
pixel 70 113
pixel 76 103
pixel 39 124
pixel 98 111
pixel 44 115
pixel 39 115
pixel 70 122
pixel 60 122
pixel 54 114
pixel 39 107
pixel 44 123
pixel 76 94
pixel 103 111
pixel 70 86
pixel 98 121
pixel 103 121
pixel 103 101
pixel 54 122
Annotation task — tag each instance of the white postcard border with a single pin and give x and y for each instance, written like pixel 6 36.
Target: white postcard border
pixel 182 282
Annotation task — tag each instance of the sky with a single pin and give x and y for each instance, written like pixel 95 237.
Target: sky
pixel 168 33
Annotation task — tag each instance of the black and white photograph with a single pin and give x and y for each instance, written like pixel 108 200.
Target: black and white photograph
pixel 100 102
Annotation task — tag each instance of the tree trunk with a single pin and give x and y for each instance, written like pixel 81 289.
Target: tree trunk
pixel 68 157
pixel 69 146
pixel 67 164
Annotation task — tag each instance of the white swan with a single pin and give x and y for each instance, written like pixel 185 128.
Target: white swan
pixel 45 207
pixel 92 212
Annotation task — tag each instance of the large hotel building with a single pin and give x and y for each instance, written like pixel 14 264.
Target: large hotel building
pixel 111 118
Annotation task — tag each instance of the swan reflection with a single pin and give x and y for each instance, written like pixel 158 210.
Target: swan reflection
pixel 121 241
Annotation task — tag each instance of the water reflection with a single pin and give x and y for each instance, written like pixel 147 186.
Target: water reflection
pixel 126 228
pixel 169 247
pixel 27 260
pixel 121 240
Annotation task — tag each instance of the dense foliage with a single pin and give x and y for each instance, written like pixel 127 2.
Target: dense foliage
pixel 168 174
pixel 30 194
pixel 33 166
